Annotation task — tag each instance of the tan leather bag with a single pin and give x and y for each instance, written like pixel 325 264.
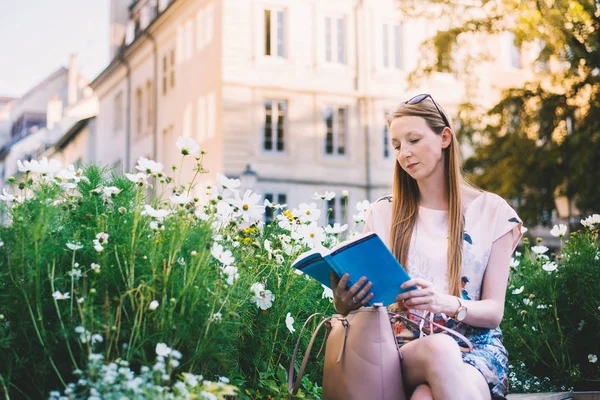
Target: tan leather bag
pixel 362 357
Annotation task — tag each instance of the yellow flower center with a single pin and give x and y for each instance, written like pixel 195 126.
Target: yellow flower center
pixel 308 212
pixel 312 235
pixel 245 207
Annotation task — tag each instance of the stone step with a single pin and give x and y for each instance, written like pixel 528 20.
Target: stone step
pixel 555 396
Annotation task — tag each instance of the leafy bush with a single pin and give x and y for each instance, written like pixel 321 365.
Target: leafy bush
pixel 551 323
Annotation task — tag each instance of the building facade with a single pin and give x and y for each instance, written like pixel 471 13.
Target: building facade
pixel 297 90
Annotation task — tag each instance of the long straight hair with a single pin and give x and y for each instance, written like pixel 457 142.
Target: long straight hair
pixel 406 196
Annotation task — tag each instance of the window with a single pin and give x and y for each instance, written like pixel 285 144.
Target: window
pixel 204 26
pixel 335 130
pixel 188 39
pixel 165 75
pixel 392 46
pixel 274 128
pixel 274 33
pixel 150 107
pixel 138 111
pixel 335 40
pixel 172 68
pixel 118 121
pixel 386 141
pixel 339 210
pixel 280 198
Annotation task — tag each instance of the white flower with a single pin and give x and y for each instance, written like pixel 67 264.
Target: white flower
pixel 523 230
pixel 226 183
pixel 308 212
pixel 201 215
pixel 590 221
pixel 95 267
pixel 325 196
pixel 179 199
pixel 313 235
pixel 262 298
pixel 581 325
pixel 149 166
pixel 336 228
pixel 97 246
pixel 542 306
pixel 207 395
pixel 232 274
pixel 592 358
pixel 153 305
pixel 550 266
pixel 327 292
pixel 276 206
pixel 190 379
pixel 159 214
pixel 188 146
pixel 42 166
pixel 75 273
pixel 361 207
pixel 217 317
pixel 5 196
pixel 137 178
pixel 558 230
pixel 514 262
pixel 162 350
pixel 60 296
pixel 1 243
pixel 102 237
pixel 527 302
pixel 74 246
pixel 223 379
pixel 70 174
pixel 96 338
pixel 289 323
pixel 519 290
pixel 248 206
pixel 224 256
pixel 109 191
pixel 79 329
pixel 517 254
pixel 539 249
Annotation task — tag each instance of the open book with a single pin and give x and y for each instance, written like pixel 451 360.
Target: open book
pixel 365 255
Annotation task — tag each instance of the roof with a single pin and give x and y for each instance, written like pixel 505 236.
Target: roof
pixel 71 133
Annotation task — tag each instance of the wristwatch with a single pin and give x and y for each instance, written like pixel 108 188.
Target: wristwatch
pixel 461 313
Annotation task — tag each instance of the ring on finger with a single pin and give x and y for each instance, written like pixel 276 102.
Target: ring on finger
pixel 354 300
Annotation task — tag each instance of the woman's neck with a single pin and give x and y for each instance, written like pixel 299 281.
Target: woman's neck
pixel 433 194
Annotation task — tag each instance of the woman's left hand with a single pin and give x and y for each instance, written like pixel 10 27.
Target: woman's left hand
pixel 426 298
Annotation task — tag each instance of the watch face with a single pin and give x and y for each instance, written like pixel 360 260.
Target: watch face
pixel 461 314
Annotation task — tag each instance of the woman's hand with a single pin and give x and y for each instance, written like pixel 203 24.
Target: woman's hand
pixel 344 300
pixel 426 298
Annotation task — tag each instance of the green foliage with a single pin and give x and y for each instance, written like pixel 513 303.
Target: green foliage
pixel 132 279
pixel 551 322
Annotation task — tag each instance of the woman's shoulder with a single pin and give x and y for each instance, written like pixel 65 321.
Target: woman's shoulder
pixel 382 205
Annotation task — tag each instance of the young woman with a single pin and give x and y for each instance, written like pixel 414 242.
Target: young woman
pixel 456 243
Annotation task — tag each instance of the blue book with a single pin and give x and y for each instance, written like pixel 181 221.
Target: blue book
pixel 365 255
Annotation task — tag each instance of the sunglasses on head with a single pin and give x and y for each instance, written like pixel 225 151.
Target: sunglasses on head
pixel 420 98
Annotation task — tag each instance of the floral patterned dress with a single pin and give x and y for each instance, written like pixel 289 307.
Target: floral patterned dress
pixel 487 218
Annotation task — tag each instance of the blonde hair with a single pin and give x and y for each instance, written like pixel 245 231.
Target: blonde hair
pixel 406 196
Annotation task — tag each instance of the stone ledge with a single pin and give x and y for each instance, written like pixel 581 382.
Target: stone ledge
pixel 555 396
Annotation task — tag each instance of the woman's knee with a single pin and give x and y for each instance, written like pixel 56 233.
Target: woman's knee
pixel 441 345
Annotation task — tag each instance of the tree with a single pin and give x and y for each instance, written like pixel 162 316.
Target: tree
pixel 543 139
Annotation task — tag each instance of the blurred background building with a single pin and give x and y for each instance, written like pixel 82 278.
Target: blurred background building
pixel 290 96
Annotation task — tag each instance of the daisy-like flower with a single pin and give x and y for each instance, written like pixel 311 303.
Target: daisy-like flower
pixel 201 215
pixel 162 350
pixel 179 199
pixel 324 196
pixel 336 228
pixel 226 183
pixel 43 166
pixel 153 305
pixel 149 166
pixel 539 249
pixel 74 246
pixel 275 206
pixel 138 178
pixel 558 230
pixel 527 302
pixel 289 323
pixel 550 266
pixel 514 262
pixel 224 256
pixel 217 317
pixel 109 191
pixel 159 214
pixel 61 296
pixel 592 358
pixel 70 174
pixel 519 290
pixel 361 207
pixel 590 221
pixel 75 273
pixel 313 235
pixel 327 292
pixel 5 196
pixel 262 298
pixel 308 212
pixel 95 267
pixel 248 205
pixel 188 146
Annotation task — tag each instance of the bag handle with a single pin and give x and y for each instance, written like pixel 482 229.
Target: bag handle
pixel 293 386
pixel 395 317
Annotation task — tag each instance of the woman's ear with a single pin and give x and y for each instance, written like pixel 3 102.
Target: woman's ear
pixel 446 137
